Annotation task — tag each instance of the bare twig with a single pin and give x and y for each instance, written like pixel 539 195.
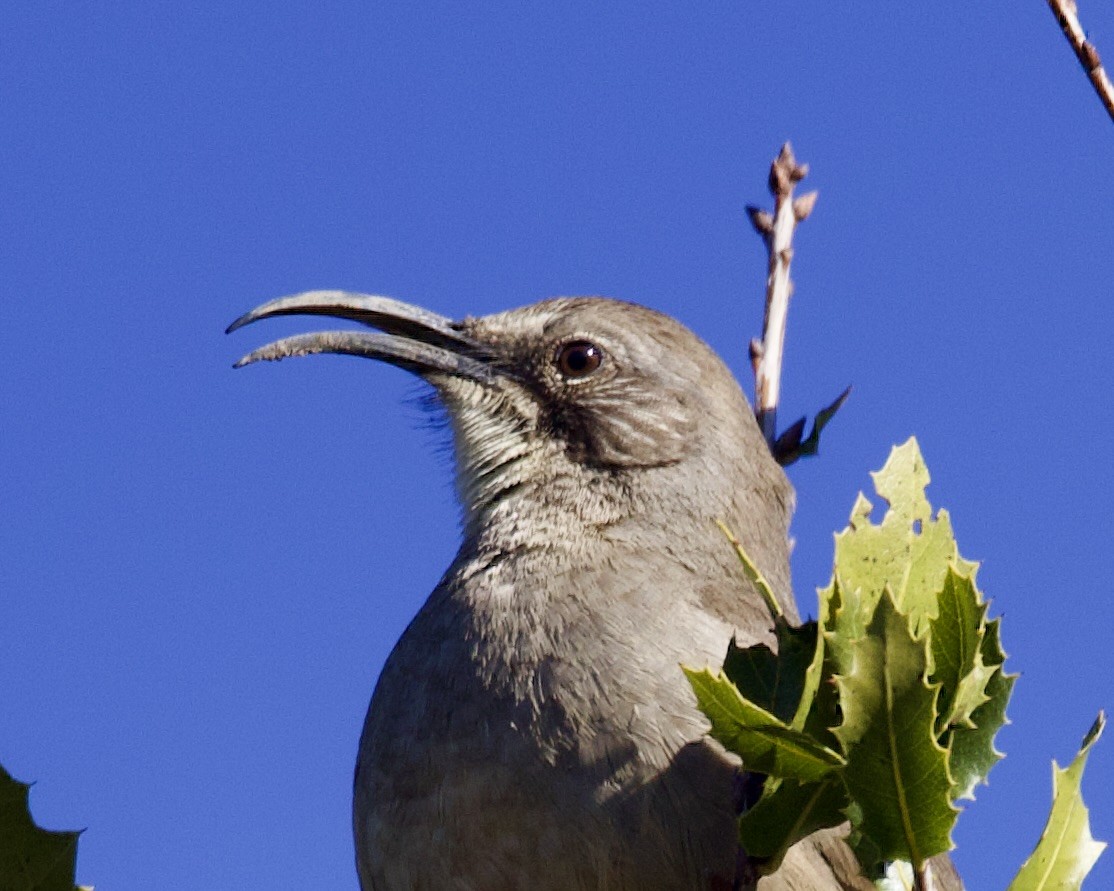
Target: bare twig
pixel 1067 14
pixel 926 877
pixel 766 354
pixel 777 232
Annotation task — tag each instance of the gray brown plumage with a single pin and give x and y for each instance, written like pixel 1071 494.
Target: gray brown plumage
pixel 532 728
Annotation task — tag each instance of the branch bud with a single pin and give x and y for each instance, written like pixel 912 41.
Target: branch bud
pixel 803 205
pixel 757 351
pixel 762 222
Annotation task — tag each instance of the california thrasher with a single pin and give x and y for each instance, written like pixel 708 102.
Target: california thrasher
pixel 532 728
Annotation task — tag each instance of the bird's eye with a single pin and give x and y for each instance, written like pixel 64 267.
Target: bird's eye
pixel 578 358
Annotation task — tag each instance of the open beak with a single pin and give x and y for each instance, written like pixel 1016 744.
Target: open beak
pixel 408 336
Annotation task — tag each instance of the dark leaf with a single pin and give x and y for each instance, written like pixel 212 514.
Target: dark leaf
pixel 31 858
pixel 789 447
pixel 787 812
pixel 774 681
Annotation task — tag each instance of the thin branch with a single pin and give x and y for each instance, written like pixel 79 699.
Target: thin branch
pixel 925 878
pixel 777 233
pixel 1067 14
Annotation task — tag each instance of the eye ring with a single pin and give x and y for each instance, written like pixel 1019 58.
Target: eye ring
pixel 578 359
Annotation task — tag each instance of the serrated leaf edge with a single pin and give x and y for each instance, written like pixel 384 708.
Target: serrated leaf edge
pixel 773 731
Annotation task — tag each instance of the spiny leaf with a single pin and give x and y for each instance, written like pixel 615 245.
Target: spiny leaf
pixel 817 708
pixel 31 859
pixel 765 743
pixel 773 681
pixel 896 771
pixel 971 752
pixel 751 571
pixel 902 481
pixel 957 664
pixel 1066 851
pixel 969 697
pixel 787 812
pixel 846 626
pixel 818 711
pixel 909 550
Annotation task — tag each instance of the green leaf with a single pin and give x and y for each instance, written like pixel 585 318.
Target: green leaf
pixel 787 812
pixel 1066 851
pixel 896 773
pixel 908 551
pixel 958 667
pixel 969 697
pixel 773 681
pixel 971 748
pixel 846 626
pixel 31 858
pixel 818 710
pixel 765 743
pixel 751 571
pixel 870 856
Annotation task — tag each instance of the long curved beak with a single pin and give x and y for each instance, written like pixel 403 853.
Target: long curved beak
pixel 408 336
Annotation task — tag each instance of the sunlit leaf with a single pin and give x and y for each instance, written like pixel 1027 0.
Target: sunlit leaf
pixel 765 743
pixel 909 551
pixel 897 773
pixel 971 748
pixel 957 663
pixel 1066 851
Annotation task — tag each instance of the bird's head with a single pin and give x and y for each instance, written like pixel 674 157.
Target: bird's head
pixel 604 407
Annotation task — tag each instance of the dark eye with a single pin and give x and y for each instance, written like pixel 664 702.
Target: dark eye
pixel 579 358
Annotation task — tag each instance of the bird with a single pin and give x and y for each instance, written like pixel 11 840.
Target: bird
pixel 532 728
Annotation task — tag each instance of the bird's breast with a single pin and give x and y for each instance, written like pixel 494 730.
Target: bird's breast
pixel 538 698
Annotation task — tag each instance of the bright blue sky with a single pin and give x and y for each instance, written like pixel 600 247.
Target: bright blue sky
pixel 202 570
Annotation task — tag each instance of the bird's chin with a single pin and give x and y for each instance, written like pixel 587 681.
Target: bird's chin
pixel 492 441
